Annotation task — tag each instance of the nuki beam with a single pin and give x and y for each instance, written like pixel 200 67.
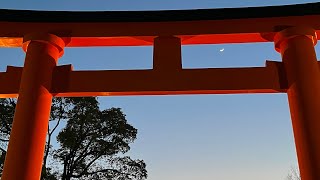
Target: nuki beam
pixel 269 79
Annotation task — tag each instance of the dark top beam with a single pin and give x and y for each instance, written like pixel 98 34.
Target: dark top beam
pixel 139 28
pixel 159 16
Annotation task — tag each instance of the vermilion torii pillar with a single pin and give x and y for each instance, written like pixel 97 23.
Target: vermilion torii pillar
pixel 29 130
pixel 296 46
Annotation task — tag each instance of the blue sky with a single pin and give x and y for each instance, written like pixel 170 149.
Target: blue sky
pixel 204 137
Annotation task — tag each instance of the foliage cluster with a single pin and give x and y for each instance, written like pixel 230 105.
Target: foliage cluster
pixel 91 143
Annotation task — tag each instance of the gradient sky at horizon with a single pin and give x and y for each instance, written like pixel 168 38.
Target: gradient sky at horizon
pixel 203 137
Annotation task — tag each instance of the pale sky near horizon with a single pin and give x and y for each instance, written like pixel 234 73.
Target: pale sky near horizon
pixel 191 137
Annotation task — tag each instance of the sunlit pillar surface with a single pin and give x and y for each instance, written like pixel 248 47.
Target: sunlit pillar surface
pixel 296 45
pixel 30 125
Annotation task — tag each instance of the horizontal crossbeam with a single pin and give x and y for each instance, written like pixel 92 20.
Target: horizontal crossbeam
pixel 139 28
pixel 269 79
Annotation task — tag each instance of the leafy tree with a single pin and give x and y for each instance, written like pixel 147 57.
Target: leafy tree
pixel 92 143
pixel 59 110
pixel 7 107
pixel 294 174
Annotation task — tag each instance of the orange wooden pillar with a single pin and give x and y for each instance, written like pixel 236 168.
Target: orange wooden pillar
pixel 296 45
pixel 30 125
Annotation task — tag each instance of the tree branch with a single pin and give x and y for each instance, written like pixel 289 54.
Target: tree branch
pixel 100 171
pixel 4 140
pixel 89 164
pixel 3 150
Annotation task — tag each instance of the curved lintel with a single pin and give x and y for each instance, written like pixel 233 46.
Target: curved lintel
pixel 136 28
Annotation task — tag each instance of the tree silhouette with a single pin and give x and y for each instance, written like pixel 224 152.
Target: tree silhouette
pixel 7 107
pixel 93 143
pixel 294 174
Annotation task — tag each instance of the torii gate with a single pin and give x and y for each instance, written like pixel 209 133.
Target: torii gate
pixel 44 35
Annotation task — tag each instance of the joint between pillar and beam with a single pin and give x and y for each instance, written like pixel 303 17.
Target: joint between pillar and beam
pixel 51 39
pixel 292 32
